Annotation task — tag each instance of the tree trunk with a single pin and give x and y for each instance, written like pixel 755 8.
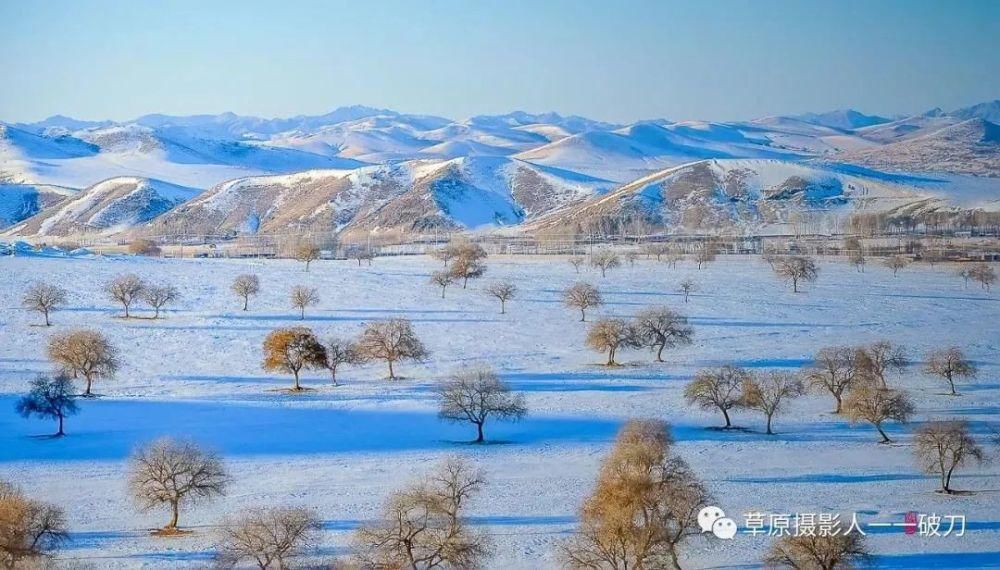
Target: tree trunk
pixel 157 314
pixel 837 409
pixel 659 352
pixel 611 357
pixel 885 438
pixel 89 382
pixel 333 375
pixel 503 307
pixel 246 300
pixel 725 414
pixel 307 266
pixel 795 285
pixel 947 480
pixel 47 323
pixel 479 431
pixel 297 387
pixel 583 315
pixel 126 310
pixel 465 283
pixel 769 432
pixel 60 433
pixel 302 314
pixel 392 375
pixel 174 516
pixel 442 292
pixel 952 384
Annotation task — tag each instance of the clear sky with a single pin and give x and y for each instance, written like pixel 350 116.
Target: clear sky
pixel 617 60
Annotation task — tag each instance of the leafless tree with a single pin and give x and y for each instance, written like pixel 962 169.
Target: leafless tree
pixel 876 406
pixel 718 388
pixel 878 359
pixel 49 398
pixel 576 261
pixel 269 538
pixel 302 297
pixel 84 353
pixel 818 552
pixel 307 253
pixel 475 395
pixel 159 295
pixel 170 473
pixel 797 268
pixel 611 335
pixel 582 296
pixel 503 291
pixel 942 447
pixel 672 258
pixel 361 253
pixel 643 508
pixel 391 341
pixel 604 260
pixel 705 254
pixel 125 289
pixel 341 352
pixel 630 257
pixel 769 393
pixel 29 529
pixel 835 369
pixel 659 328
pixel 246 286
pixel 984 274
pixel 466 267
pixel 44 298
pixel 656 249
pixel 896 262
pixel 423 525
pixel 687 287
pixel 857 259
pixel 949 363
pixel 293 350
pixel 444 254
pixel 442 279
pixel 966 274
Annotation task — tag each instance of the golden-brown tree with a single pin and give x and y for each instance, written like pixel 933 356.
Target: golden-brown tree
pixel 391 341
pixel 876 360
pixel 611 335
pixel 84 353
pixel 306 252
pixel 423 525
pixel 467 267
pixel 29 529
pixel 817 552
pixel 896 262
pixel 769 393
pixel 643 508
pixel 835 369
pixel 876 406
pixel 171 473
pixel 246 286
pixel 292 350
pixel 582 296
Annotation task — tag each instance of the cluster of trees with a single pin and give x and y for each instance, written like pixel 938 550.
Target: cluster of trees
pixel 981 273
pixel 655 328
pixel 128 288
pixel 295 349
pixel 463 260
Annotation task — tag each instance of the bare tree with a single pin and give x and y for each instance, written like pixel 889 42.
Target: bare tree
pixel 125 289
pixel 159 295
pixel 797 268
pixel 896 262
pixel 672 258
pixel 44 298
pixel 705 254
pixel 269 538
pixel 49 398
pixel 835 369
pixel 442 279
pixel 983 274
pixel 293 350
pixel 876 406
pixel 307 253
pixel 857 259
pixel 643 508
pixel 172 473
pixel 630 257
pixel 84 353
pixel 942 447
pixel 503 291
pixel 719 388
pixel 475 395
pixel 246 286
pixel 302 297
pixel 966 274
pixel 659 328
pixel 576 261
pixel 444 254
pixel 423 526
pixel 391 341
pixel 340 352
pixel 818 552
pixel 604 260
pixel 467 267
pixel 876 360
pixel 29 529
pixel 361 253
pixel 687 287
pixel 770 392
pixel 582 296
pixel 949 363
pixel 610 335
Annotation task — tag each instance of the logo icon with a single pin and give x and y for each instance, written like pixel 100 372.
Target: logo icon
pixel 713 519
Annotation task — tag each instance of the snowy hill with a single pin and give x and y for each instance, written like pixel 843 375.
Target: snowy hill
pixel 989 111
pixel 709 194
pixel 414 196
pixel 21 201
pixel 108 207
pixel 845 119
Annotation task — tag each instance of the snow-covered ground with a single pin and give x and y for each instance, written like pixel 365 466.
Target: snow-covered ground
pixel 196 373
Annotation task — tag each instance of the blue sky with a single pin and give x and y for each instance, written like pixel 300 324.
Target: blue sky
pixel 613 60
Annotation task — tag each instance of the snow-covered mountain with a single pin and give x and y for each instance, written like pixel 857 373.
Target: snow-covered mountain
pixel 21 201
pixel 844 119
pixel 111 206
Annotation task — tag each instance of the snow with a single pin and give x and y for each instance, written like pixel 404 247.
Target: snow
pixel 341 451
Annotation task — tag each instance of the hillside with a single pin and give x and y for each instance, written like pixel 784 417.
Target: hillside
pixel 108 207
pixel 21 201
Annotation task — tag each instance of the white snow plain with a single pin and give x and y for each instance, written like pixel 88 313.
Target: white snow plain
pixel 195 373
